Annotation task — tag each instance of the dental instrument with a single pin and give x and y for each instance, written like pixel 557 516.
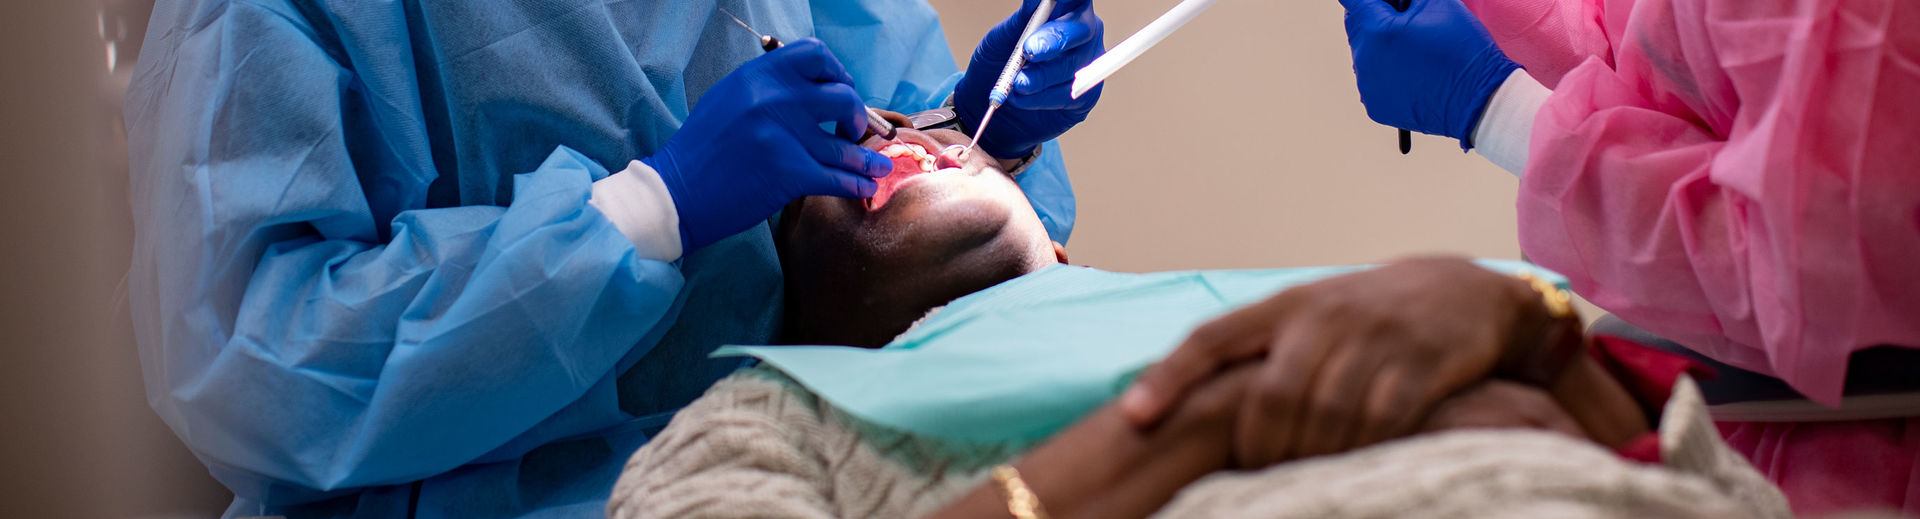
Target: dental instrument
pixel 876 124
pixel 1120 55
pixel 1097 72
pixel 1004 86
pixel 1406 137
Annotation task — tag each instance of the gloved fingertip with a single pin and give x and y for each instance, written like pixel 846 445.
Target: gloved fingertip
pixel 863 188
pixel 1045 44
pixel 878 165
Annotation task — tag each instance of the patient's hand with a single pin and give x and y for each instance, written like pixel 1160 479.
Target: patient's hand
pixel 1502 404
pixel 1348 361
pixel 1104 467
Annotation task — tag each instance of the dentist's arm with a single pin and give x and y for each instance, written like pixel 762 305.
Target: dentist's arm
pixel 302 329
pixel 1042 106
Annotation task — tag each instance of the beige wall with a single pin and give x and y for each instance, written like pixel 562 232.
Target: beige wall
pixel 76 436
pixel 1241 142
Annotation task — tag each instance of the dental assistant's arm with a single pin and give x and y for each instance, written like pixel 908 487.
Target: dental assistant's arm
pixel 1735 178
pixel 1755 202
pixel 1505 133
pixel 305 323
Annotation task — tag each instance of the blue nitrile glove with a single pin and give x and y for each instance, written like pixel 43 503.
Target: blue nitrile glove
pixel 1430 69
pixel 1042 105
pixel 754 143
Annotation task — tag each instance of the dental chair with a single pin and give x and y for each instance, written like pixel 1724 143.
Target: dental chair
pixel 1882 382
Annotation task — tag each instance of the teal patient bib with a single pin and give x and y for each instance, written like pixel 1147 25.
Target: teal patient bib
pixel 1028 357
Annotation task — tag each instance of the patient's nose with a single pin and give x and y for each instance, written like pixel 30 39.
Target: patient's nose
pixel 950 156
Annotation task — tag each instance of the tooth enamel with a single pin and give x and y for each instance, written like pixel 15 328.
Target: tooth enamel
pixel 895 151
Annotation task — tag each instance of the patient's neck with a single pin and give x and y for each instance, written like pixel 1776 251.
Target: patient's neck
pixel 871 314
pixel 845 322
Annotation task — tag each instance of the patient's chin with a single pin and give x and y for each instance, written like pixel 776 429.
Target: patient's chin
pixel 931 223
pixel 932 191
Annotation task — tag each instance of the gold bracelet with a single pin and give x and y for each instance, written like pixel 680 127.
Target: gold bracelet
pixel 1543 350
pixel 1021 501
pixel 1559 302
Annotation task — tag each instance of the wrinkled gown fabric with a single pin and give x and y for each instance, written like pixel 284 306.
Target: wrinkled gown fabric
pixel 366 279
pixel 1735 176
pixel 1739 177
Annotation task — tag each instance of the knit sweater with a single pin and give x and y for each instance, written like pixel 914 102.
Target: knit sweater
pixel 759 445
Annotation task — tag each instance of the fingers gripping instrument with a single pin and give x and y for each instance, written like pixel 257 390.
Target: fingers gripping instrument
pixel 1004 86
pixel 876 125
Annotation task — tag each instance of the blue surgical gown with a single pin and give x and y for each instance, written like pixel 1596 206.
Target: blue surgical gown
pixel 367 282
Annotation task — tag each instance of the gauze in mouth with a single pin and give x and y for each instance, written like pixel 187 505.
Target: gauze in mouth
pixel 909 160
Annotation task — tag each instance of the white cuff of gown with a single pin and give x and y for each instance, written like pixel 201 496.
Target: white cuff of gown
pixel 1506 128
pixel 638 204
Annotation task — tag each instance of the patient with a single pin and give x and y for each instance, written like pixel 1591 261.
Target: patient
pixel 861 272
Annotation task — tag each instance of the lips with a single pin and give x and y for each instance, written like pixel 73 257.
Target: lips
pixel 909 160
pixel 913 153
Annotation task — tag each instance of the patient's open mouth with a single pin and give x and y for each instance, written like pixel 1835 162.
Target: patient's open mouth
pixel 909 160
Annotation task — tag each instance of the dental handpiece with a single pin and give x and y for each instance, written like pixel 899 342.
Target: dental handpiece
pixel 1003 87
pixel 876 124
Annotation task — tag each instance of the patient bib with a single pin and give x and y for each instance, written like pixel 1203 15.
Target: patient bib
pixel 1028 357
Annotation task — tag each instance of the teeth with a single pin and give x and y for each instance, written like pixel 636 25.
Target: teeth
pixel 928 161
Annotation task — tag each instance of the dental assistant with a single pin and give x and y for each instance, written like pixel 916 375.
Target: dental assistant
pixel 1736 176
pixel 460 258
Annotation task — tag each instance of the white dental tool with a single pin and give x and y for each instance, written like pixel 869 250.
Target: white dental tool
pixel 1095 73
pixel 1004 86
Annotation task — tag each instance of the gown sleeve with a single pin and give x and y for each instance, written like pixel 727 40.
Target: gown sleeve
pixel 1739 179
pixel 291 331
pixel 1547 37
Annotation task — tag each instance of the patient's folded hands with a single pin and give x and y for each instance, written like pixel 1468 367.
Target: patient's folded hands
pixel 1325 368
pixel 1206 420
pixel 1107 467
pixel 1499 404
pixel 1349 361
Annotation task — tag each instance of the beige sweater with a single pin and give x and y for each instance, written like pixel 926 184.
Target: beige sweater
pixel 757 445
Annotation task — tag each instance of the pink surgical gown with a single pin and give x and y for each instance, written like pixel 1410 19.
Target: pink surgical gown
pixel 1742 177
pixel 1739 176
